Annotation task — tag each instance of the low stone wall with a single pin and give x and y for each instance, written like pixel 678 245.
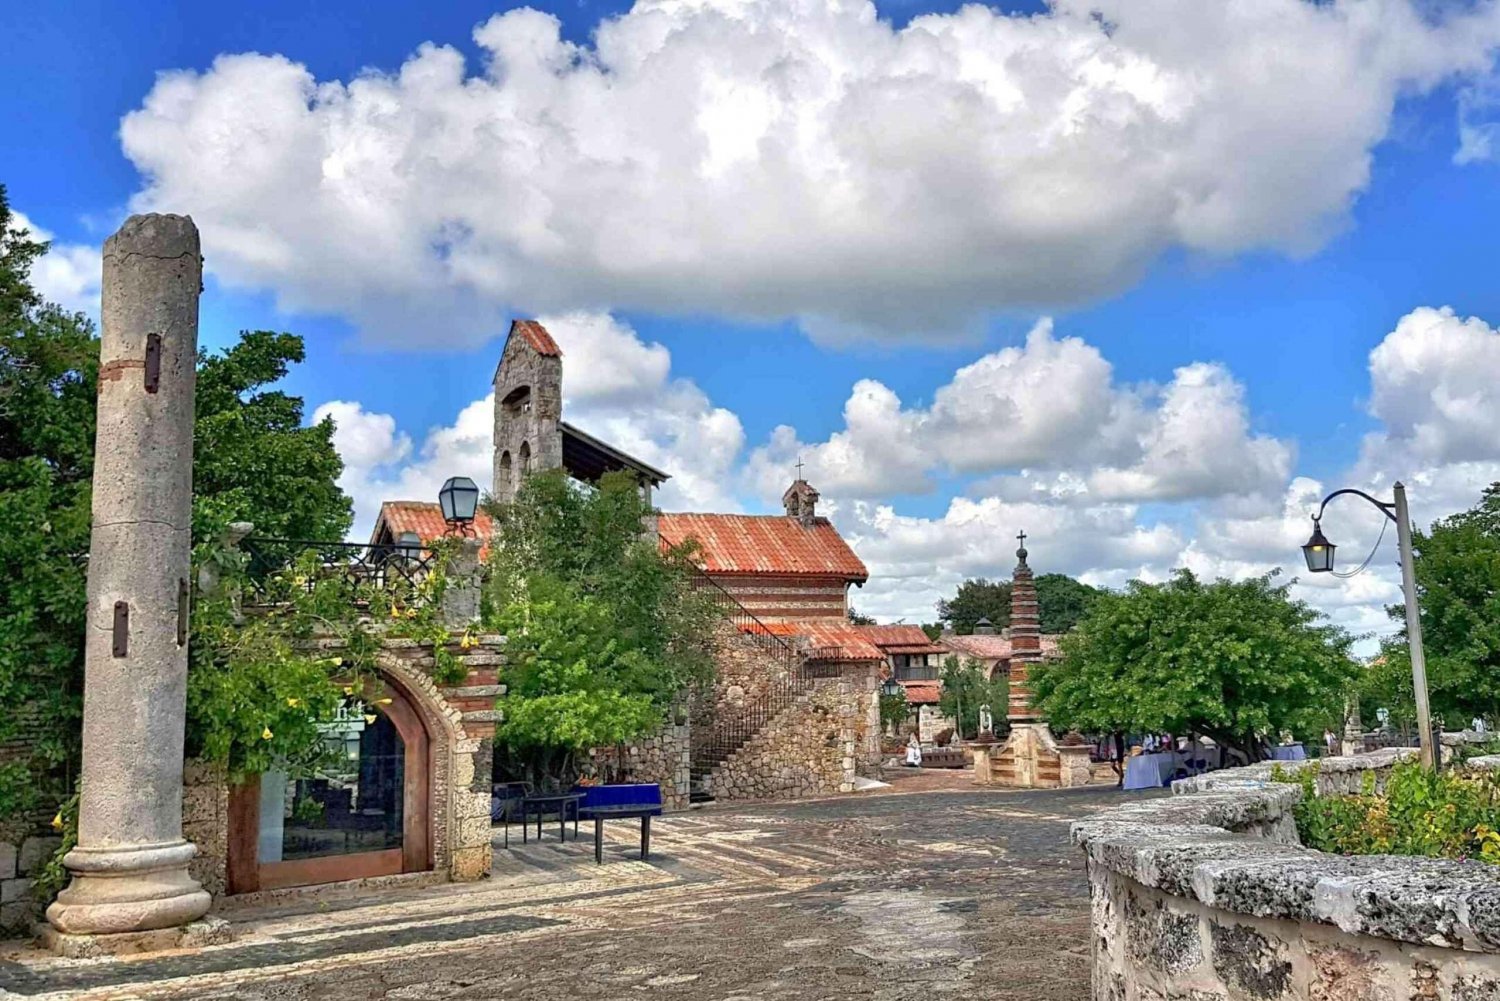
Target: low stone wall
pixel 1209 895
pixel 664 758
pixel 816 747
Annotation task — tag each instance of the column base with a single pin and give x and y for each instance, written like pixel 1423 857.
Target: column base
pixel 135 888
pixel 194 935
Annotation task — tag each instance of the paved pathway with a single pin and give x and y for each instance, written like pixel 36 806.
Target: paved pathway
pixel 889 896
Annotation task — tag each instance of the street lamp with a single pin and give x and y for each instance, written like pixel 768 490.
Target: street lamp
pixel 890 688
pixel 1319 555
pixel 459 500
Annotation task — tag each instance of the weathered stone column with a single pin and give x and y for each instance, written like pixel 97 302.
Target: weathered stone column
pixel 130 867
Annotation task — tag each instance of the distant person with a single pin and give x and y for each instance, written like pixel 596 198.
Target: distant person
pixel 913 751
pixel 1331 741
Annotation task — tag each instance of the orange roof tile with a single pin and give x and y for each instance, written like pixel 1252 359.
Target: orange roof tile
pixel 770 544
pixel 923 692
pixel 536 335
pixel 423 517
pixel 901 639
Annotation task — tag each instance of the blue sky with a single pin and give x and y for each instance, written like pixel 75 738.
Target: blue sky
pixel 1273 225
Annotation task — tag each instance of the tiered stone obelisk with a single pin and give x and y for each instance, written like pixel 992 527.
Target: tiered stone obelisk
pixel 130 866
pixel 1031 757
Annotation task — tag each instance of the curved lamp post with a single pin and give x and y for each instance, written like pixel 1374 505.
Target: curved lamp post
pixel 1319 554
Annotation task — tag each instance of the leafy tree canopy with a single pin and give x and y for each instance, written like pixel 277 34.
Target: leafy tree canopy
pixel 1063 601
pixel 965 689
pixel 254 461
pixel 1239 661
pixel 604 629
pixel 1458 591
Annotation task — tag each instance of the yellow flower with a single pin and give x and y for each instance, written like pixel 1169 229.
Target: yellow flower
pixel 411 613
pixel 369 717
pixel 382 702
pixel 338 662
pixel 57 821
pixel 293 702
pixel 348 689
pixel 395 612
pixel 266 734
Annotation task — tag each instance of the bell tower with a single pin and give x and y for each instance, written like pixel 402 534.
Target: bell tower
pixel 528 407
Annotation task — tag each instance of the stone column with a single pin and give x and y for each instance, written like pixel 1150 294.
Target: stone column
pixel 130 867
pixel 461 596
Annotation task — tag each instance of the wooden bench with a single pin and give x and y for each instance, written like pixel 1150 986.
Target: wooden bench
pixel 612 802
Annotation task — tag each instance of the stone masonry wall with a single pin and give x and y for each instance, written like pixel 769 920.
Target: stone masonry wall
pixel 663 758
pixel 21 859
pixel 816 747
pixel 1208 895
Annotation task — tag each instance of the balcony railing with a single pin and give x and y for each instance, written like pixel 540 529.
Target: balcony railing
pixel 362 567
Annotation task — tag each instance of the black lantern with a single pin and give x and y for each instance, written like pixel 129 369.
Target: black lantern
pixel 409 546
pixel 1319 551
pixel 459 499
pixel 890 688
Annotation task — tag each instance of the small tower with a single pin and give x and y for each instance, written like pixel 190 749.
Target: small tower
pixel 1025 638
pixel 801 502
pixel 528 407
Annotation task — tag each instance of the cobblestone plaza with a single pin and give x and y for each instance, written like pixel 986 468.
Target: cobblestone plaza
pixel 893 895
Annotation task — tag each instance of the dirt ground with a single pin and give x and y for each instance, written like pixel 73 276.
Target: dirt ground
pixel 929 886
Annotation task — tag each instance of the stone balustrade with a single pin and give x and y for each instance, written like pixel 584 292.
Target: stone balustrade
pixel 1208 894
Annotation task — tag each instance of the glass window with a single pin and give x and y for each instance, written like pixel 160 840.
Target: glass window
pixel 353 801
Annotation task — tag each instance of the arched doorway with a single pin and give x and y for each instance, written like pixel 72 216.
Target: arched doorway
pixel 364 811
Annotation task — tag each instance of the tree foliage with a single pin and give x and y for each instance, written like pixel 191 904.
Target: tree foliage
pixel 965 689
pixel 1239 661
pixel 604 630
pixel 1458 591
pixel 254 461
pixel 1062 602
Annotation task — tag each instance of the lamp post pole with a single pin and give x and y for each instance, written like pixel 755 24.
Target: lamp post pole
pixel 1319 553
pixel 1414 630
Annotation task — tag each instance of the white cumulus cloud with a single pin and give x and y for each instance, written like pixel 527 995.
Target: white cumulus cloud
pixel 69 274
pixel 798 158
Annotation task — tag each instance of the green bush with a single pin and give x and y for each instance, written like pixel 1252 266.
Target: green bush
pixel 1452 814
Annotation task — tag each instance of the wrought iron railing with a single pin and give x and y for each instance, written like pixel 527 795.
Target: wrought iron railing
pixel 382 567
pixel 720 729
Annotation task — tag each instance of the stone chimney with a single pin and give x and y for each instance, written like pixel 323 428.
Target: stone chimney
pixel 1025 638
pixel 801 502
pixel 984 627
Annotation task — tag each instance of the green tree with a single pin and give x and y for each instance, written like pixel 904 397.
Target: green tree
pixel 253 462
pixel 1458 591
pixel 965 689
pixel 1236 660
pixel 1062 602
pixel 604 630
pixel 858 618
pixel 977 599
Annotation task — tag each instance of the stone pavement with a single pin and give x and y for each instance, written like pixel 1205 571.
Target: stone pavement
pixel 889 895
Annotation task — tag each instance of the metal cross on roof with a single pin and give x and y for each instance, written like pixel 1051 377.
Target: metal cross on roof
pixel 1022 537
pixel 799 467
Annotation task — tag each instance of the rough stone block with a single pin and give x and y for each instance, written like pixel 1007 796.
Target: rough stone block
pixel 13 890
pixel 1246 960
pixel 7 860
pixel 35 852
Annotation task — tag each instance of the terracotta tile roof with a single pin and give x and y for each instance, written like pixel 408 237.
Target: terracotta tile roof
pixel 770 544
pixel 992 647
pixel 536 335
pixel 901 639
pixel 423 517
pixel 826 635
pixel 923 692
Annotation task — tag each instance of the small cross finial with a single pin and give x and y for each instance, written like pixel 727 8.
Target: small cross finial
pixel 799 467
pixel 1022 537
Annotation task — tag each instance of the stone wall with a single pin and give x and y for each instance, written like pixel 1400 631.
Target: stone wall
pixel 815 747
pixel 1208 895
pixel 663 758
pixel 21 859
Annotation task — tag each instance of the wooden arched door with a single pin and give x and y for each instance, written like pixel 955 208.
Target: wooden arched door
pixel 364 812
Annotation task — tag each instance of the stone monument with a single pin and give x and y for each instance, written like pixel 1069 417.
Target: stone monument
pixel 130 878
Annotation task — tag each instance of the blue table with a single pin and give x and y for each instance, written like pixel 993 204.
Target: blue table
pixel 601 803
